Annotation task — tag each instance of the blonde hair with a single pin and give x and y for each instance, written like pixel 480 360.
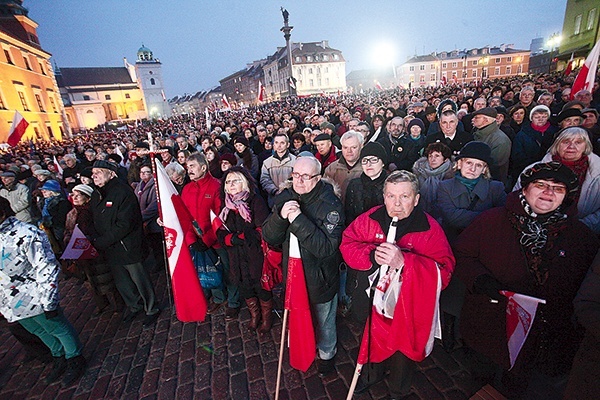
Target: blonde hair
pixel 237 175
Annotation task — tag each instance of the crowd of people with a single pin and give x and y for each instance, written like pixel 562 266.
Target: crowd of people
pixel 489 188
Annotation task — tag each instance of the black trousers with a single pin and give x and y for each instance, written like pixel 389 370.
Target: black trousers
pixel 401 370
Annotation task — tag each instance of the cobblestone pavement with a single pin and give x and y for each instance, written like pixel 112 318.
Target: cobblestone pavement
pixel 209 360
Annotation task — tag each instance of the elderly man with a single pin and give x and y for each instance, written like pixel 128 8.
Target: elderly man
pixel 201 196
pixel 421 253
pixel 325 150
pixel 347 166
pixel 311 211
pixel 395 130
pixel 584 96
pixel 277 168
pixel 17 195
pixel 118 222
pixel 450 134
pixel 467 120
pixel 487 131
pixel 569 117
pixel 71 171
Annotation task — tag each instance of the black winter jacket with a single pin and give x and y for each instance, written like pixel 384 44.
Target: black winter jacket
pixel 319 231
pixel 118 222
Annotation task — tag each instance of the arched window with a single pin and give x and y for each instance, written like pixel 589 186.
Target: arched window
pixel 152 81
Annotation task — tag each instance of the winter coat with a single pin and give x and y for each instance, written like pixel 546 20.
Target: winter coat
pixel 18 197
pixel 275 171
pixel 500 145
pixel 118 223
pixel 339 172
pixel 327 159
pixel 429 181
pixel 201 197
pixel 245 260
pixel 491 245
pixel 148 206
pixel 319 232
pixel 588 205
pixel 407 151
pixel 454 199
pixel 58 208
pixel 530 146
pixel 29 273
pixel 460 139
pixel 362 194
pixel 426 251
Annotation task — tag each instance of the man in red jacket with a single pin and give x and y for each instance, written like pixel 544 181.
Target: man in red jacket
pixel 421 252
pixel 201 196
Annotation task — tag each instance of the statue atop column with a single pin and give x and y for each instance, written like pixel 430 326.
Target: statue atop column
pixel 286 15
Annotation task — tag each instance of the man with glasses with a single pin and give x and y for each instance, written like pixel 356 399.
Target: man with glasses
pixel 311 211
pixel 395 130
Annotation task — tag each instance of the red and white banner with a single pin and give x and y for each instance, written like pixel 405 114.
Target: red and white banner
pixel 569 66
pixel 79 247
pixel 58 167
pixel 261 92
pixel 520 313
pixel 378 85
pixel 207 118
pixel 190 303
pixel 587 75
pixel 225 102
pixel 301 337
pixel 17 129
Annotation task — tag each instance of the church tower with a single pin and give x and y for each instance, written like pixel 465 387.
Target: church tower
pixel 149 75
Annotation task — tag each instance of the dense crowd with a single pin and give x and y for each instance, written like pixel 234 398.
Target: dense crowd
pixel 489 188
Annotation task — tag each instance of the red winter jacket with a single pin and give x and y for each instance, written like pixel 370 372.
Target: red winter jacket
pixel 200 197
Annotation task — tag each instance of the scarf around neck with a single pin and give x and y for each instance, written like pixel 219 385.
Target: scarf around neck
pixel 238 203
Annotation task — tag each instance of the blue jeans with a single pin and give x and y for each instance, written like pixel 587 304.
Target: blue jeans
pixel 233 293
pixel 324 318
pixel 56 333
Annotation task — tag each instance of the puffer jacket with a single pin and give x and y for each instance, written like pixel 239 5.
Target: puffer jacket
pixel 274 172
pixel 29 273
pixel 339 172
pixel 18 197
pixel 319 231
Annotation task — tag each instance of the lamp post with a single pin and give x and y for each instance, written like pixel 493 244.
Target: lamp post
pixel 287 34
pixel 484 62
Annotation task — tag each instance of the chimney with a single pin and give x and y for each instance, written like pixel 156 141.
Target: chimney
pixel 325 44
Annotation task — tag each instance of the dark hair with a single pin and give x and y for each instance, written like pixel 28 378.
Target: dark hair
pixel 298 136
pixel 439 147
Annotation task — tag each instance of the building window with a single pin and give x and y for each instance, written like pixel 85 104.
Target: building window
pixel 474 62
pixel 107 97
pixel 318 70
pixel 127 96
pixel 474 73
pixel 8 58
pixel 326 70
pixel 319 84
pixel 497 71
pixel 152 81
pixel 497 60
pixel 577 24
pixel 26 61
pixel 444 65
pixel 411 68
pixel 508 70
pixel 52 104
pixel 310 71
pixel 86 97
pixel 591 19
pixel 311 83
pixel 23 101
pixel 422 78
pixel 2 106
pixel 520 69
pixel 432 77
pixel 50 131
pixel 325 57
pixel 508 59
pixel 308 58
pixel 39 102
pixel 432 66
pixel 327 81
pixel 454 64
pixel 42 68
pixel 298 58
pixel 336 57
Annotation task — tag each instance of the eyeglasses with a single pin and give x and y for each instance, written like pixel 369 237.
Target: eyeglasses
pixel 554 188
pixel 146 172
pixel 369 160
pixel 303 177
pixel 233 181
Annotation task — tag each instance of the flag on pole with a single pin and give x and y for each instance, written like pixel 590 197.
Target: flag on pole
pixel 569 66
pixel 17 129
pixel 316 108
pixel 207 117
pixel 292 82
pixel 378 85
pixel 225 102
pixel 79 247
pixel 301 337
pixel 587 75
pixel 58 167
pixel 520 313
pixel 261 92
pixel 190 303
pixel 162 93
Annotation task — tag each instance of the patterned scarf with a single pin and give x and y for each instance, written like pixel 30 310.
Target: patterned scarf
pixel 579 167
pixel 538 233
pixel 237 202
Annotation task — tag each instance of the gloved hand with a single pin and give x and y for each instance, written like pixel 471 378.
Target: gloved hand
pixel 199 246
pixel 488 285
pixel 51 314
pixel 237 239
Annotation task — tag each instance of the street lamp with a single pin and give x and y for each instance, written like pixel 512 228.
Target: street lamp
pixel 384 54
pixel 484 62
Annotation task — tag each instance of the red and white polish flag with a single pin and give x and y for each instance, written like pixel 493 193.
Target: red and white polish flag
pixel 569 65
pixel 17 129
pixel 261 92
pixel 301 337
pixel 520 313
pixel 587 75
pixel 225 102
pixel 79 247
pixel 190 303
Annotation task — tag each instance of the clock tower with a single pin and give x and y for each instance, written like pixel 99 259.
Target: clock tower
pixel 149 75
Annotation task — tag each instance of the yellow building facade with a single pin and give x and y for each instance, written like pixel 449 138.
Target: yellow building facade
pixel 27 82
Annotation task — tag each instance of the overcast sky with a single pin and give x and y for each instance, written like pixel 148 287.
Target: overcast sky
pixel 202 41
